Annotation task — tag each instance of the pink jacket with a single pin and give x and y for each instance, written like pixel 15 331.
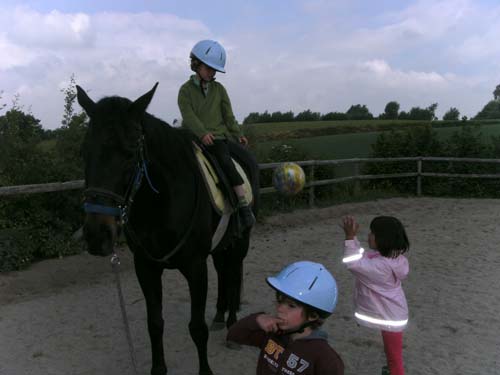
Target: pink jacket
pixel 379 300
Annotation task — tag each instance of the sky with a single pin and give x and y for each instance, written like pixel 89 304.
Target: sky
pixel 282 55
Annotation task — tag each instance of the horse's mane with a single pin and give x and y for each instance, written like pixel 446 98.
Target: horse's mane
pixel 171 145
pixel 174 146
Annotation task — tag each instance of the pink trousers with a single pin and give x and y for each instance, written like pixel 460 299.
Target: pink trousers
pixel 393 347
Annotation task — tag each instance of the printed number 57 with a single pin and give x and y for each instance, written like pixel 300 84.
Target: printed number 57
pixel 293 360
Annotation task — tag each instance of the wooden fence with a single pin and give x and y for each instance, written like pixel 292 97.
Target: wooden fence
pixel 419 174
pixel 311 182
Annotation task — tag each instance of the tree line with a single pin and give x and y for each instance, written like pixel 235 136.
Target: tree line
pixel 391 112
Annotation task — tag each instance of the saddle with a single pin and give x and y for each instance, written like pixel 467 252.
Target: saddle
pixel 220 191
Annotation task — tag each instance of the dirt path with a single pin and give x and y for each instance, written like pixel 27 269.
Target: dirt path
pixel 61 317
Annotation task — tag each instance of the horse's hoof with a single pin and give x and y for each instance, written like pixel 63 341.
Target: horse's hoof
pixel 217 326
pixel 159 371
pixel 233 345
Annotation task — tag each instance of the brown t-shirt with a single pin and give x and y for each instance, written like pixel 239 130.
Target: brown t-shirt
pixel 311 355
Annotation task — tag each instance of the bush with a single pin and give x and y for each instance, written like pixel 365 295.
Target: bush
pixel 466 142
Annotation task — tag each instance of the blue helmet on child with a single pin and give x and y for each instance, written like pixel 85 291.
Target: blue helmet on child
pixel 210 53
pixel 309 283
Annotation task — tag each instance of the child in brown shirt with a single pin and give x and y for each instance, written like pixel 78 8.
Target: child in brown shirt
pixel 291 342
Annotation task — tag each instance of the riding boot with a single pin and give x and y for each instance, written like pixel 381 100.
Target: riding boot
pixel 247 219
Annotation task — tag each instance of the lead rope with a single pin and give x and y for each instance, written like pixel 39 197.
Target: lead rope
pixel 115 265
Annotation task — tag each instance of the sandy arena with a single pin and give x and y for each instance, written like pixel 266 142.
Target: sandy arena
pixel 62 317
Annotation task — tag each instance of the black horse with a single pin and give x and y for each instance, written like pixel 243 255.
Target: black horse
pixel 141 175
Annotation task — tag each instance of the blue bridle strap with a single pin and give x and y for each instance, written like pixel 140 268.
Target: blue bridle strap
pixel 145 169
pixel 91 208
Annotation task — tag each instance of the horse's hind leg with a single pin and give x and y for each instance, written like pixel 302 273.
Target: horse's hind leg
pixel 196 276
pixel 149 277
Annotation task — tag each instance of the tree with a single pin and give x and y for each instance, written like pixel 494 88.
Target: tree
pixel 69 99
pixel 359 112
pixel 69 137
pixel 490 111
pixel 21 160
pixel 391 111
pixel 308 115
pixel 3 105
pixel 432 111
pixel 282 117
pixel 417 113
pixel 452 114
pixel 496 93
pixel 334 116
pixel 252 118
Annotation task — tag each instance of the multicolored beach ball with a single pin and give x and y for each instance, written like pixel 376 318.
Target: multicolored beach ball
pixel 289 178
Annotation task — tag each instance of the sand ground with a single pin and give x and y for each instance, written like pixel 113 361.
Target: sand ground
pixel 61 317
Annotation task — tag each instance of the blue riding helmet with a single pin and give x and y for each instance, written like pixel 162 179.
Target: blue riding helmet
pixel 309 283
pixel 211 53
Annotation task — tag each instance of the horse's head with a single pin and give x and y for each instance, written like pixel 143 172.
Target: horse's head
pixel 112 153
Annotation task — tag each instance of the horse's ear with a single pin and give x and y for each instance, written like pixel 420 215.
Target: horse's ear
pixel 83 99
pixel 141 104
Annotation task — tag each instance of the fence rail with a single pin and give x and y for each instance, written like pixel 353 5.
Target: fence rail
pixel 419 174
pixel 311 184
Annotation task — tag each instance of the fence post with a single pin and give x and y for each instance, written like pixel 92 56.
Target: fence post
pixel 311 189
pixel 419 177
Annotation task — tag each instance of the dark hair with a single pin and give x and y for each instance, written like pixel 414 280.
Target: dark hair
pixel 390 236
pixel 309 311
pixel 195 63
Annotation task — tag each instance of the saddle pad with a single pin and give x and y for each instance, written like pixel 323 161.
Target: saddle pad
pixel 219 202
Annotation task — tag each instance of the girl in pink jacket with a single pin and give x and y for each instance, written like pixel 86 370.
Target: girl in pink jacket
pixel 379 299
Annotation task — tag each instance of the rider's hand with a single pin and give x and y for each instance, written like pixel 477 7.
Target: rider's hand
pixel 208 139
pixel 243 140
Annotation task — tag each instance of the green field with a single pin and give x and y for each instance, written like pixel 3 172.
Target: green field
pixel 343 145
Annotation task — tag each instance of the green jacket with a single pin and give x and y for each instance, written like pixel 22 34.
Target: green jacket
pixel 208 112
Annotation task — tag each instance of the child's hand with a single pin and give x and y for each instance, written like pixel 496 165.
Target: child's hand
pixel 350 227
pixel 208 139
pixel 244 141
pixel 269 323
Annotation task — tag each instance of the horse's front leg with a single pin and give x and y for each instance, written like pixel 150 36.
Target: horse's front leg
pixel 149 276
pixel 219 262
pixel 234 279
pixel 196 275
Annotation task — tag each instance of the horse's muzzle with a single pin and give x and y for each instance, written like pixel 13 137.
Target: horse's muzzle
pixel 100 233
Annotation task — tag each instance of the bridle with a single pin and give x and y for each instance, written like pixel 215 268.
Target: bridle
pixel 121 204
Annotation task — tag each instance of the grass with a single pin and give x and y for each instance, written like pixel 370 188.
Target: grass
pixel 356 144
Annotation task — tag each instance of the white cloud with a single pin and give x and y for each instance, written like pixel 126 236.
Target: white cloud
pixel 110 53
pixel 52 31
pixel 428 52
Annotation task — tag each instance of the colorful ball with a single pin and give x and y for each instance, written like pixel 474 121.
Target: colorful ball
pixel 289 178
